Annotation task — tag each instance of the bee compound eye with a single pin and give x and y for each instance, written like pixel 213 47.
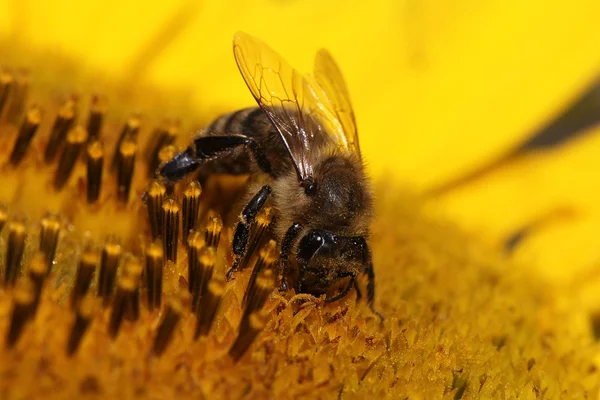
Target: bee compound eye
pixel 309 245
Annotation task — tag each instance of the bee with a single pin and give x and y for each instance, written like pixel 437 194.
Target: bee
pixel 302 141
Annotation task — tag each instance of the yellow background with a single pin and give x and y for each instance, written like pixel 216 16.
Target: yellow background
pixel 438 87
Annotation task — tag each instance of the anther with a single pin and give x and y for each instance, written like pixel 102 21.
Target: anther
pixel 156 194
pixel 209 305
pixel 126 166
pixel 195 243
pixel 83 317
pixel 165 154
pixel 170 224
pixel 128 133
pixel 266 259
pixel 133 270
pixel 63 123
pixel 108 269
pixel 85 274
pixel 162 136
pixel 126 291
pixel 191 206
pixel 17 234
pixel 154 275
pixel 259 292
pixel 263 220
pixel 205 265
pixel 214 227
pixel 49 232
pixel 7 83
pixel 26 132
pixel 249 329
pixel 19 97
pixel 23 302
pixel 38 270
pixel 96 117
pixel 75 141
pixel 95 162
pixel 166 329
pixel 3 216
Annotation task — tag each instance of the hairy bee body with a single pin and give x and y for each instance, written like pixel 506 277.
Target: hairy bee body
pixel 301 146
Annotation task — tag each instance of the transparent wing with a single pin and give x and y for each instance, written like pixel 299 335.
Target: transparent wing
pixel 337 100
pixel 289 99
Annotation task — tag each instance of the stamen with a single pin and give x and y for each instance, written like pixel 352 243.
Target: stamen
pixel 165 154
pixel 111 253
pixel 263 220
pixel 266 260
pixel 259 292
pixel 19 97
pixel 156 194
pixel 126 166
pixel 96 117
pixel 49 232
pixel 24 298
pixel 6 87
pixel 3 216
pixel 129 133
pixel 28 128
pixel 133 269
pixel 38 270
pixel 75 140
pixel 170 219
pixel 85 274
pixel 166 329
pixel 154 274
pixel 249 329
pixel 126 300
pixel 208 307
pixel 213 230
pixel 14 251
pixel 161 137
pixel 95 162
pixel 83 317
pixel 205 265
pixel 63 123
pixel 191 206
pixel 195 242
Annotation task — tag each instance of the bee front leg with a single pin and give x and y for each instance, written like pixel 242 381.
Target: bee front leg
pixel 370 272
pixel 243 228
pixel 371 287
pixel 286 246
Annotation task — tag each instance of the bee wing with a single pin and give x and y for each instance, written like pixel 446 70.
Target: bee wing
pixel 337 101
pixel 291 101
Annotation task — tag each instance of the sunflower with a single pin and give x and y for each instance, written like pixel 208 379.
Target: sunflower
pixel 477 123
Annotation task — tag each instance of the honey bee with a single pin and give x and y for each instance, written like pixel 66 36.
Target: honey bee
pixel 302 140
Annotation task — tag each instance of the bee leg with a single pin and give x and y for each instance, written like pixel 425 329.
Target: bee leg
pixel 351 283
pixel 242 229
pixel 371 288
pixel 286 246
pixel 210 147
pixel 179 166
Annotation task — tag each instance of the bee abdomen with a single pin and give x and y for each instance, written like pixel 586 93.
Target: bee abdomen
pixel 232 123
